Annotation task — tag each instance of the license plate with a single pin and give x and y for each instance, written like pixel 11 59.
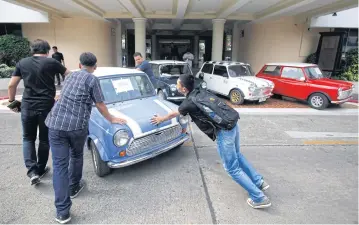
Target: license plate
pixel 262 99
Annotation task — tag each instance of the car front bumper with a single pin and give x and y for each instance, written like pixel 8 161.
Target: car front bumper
pixel 149 155
pixel 259 98
pixel 181 98
pixel 342 100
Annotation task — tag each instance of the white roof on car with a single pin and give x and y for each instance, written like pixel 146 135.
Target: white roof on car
pixel 291 64
pixel 106 71
pixel 167 61
pixel 226 63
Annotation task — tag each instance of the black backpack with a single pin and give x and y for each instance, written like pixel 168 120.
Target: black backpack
pixel 218 112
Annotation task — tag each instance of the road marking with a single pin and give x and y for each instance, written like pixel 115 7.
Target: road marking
pixel 331 142
pixel 305 134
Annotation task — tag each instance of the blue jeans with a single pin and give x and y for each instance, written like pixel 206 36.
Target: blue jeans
pixel 237 165
pixel 31 120
pixel 66 174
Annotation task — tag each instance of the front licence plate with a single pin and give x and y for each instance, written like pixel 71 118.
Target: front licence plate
pixel 262 99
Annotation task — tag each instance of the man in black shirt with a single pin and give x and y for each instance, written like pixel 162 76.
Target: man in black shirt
pixel 59 57
pixel 228 145
pixel 38 73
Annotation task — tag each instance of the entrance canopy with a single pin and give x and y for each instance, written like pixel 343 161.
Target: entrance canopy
pixel 186 14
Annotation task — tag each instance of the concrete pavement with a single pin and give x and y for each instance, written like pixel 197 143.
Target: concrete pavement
pixel 310 183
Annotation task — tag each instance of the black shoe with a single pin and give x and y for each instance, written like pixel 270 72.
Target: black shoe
pixel 76 191
pixel 46 170
pixel 63 219
pixel 34 179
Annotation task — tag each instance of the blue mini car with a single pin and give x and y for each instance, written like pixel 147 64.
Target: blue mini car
pixel 129 94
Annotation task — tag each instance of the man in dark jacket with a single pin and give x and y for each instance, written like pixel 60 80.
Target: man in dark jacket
pixel 60 58
pixel 228 145
pixel 38 73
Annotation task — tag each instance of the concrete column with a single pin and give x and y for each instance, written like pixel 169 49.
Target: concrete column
pixel 235 42
pixel 140 35
pixel 195 49
pixel 118 44
pixel 154 47
pixel 217 39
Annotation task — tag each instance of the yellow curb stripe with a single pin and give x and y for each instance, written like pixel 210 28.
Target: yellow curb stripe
pixel 331 142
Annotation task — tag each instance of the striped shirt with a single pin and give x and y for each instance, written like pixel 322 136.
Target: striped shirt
pixel 72 111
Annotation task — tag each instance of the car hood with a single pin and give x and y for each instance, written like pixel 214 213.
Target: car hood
pixel 138 114
pixel 173 80
pixel 332 83
pixel 260 82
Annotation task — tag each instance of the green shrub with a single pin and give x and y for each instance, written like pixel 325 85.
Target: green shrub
pixel 12 49
pixel 350 71
pixel 311 58
pixel 5 71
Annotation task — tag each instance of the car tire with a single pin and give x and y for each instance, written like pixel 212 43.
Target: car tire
pixel 161 95
pixel 236 97
pixel 318 101
pixel 100 167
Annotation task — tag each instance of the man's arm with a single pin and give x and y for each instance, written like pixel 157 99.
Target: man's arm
pixel 159 119
pixel 14 82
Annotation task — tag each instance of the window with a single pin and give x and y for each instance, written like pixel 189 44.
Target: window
pixel 11 28
pixel 240 70
pixel 314 72
pixel 272 70
pixel 174 70
pixel 292 73
pixel 207 68
pixel 124 88
pixel 220 71
pixel 155 70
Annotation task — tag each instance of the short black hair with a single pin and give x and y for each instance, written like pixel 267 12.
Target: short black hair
pixel 137 54
pixel 187 81
pixel 88 59
pixel 54 47
pixel 40 47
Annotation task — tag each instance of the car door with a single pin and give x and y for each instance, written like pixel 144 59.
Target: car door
pixel 220 79
pixel 207 71
pixel 293 83
pixel 272 73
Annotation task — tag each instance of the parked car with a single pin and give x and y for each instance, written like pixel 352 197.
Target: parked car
pixel 235 80
pixel 167 73
pixel 306 82
pixel 129 94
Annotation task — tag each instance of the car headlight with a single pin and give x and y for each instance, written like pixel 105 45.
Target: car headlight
pixel 173 87
pixel 121 138
pixel 252 87
pixel 183 119
pixel 271 85
pixel 204 85
pixel 340 91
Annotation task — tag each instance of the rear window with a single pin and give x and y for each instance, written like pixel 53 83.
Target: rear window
pixel 207 68
pixel 272 70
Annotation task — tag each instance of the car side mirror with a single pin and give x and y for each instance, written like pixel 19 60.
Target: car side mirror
pixel 201 75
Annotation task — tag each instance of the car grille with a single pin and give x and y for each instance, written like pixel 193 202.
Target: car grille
pixel 261 91
pixel 142 144
pixel 345 94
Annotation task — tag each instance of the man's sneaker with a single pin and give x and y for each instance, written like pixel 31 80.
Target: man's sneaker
pixel 63 219
pixel 34 179
pixel 46 170
pixel 76 191
pixel 265 203
pixel 264 186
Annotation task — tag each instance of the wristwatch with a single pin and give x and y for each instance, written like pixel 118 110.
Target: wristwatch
pixel 11 101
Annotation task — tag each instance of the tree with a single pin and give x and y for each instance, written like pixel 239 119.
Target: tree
pixel 12 49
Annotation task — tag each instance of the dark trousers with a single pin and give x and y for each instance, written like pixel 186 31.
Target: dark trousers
pixel 31 120
pixel 67 148
pixel 58 78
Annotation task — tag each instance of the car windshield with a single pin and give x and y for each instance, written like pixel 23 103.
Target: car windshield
pixel 126 87
pixel 314 72
pixel 174 69
pixel 240 70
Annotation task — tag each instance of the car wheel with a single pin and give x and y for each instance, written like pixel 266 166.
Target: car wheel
pixel 318 101
pixel 236 97
pixel 100 167
pixel 161 95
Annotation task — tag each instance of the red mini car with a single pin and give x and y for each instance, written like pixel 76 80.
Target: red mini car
pixel 306 82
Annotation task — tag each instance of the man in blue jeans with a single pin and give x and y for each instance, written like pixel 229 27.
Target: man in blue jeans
pixel 228 145
pixel 68 129
pixel 38 73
